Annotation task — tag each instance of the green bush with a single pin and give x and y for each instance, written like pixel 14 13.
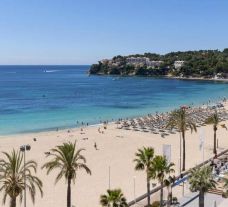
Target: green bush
pixel 175 199
pixel 155 204
pixel 225 194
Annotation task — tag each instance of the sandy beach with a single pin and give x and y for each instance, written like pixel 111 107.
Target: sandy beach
pixel 116 149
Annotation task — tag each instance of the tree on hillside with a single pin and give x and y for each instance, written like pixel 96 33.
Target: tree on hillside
pixel 225 51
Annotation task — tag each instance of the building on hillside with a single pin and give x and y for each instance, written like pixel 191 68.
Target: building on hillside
pixel 154 63
pixel 178 64
pixel 143 61
pixel 137 60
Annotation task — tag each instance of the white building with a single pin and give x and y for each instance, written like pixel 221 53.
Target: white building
pixel 178 64
pixel 154 63
pixel 137 60
pixel 143 61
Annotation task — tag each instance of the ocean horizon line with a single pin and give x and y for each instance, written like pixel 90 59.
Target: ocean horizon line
pixel 45 65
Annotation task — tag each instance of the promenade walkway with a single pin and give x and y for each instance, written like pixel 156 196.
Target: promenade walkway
pixel 210 200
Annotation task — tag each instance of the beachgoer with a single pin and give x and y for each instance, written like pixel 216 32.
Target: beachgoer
pixel 95 145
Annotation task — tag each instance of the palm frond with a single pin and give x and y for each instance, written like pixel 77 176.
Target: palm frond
pixel 67 160
pixel 201 179
pixel 113 198
pixel 12 171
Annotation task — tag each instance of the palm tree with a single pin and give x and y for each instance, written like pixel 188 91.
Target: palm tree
pixel 201 180
pixel 144 161
pixel 113 198
pixel 214 120
pixel 168 183
pixel 182 121
pixel 68 161
pixel 160 170
pixel 12 170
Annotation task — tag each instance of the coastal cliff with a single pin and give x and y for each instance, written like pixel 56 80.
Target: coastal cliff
pixel 197 64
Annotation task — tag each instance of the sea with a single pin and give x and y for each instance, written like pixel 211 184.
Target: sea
pixel 43 98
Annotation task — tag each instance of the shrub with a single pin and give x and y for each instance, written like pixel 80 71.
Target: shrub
pixel 155 204
pixel 225 194
pixel 175 200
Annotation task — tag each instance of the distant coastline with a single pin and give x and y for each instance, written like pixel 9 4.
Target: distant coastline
pixel 169 77
pixel 197 65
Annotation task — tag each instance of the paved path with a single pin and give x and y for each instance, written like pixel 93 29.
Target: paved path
pixel 209 200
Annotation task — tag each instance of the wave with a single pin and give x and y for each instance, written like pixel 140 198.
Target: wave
pixel 50 71
pixel 12 72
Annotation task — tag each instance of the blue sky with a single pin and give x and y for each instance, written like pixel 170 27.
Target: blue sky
pixel 84 31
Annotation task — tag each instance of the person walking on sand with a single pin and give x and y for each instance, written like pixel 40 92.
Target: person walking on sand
pixel 95 145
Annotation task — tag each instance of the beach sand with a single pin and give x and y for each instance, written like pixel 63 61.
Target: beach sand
pixel 116 151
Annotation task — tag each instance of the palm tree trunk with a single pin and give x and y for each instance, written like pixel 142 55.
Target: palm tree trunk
pixel 148 190
pixel 169 197
pixel 183 137
pixel 201 199
pixel 215 150
pixel 161 195
pixel 69 192
pixel 13 202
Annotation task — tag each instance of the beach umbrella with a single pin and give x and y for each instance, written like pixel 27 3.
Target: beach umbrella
pixel 184 107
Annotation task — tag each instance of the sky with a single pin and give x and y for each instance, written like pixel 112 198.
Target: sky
pixel 85 31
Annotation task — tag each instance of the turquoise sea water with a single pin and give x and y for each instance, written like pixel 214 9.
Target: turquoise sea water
pixel 35 98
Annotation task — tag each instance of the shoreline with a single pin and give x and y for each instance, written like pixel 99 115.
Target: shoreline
pixel 112 121
pixel 164 77
pixel 197 78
